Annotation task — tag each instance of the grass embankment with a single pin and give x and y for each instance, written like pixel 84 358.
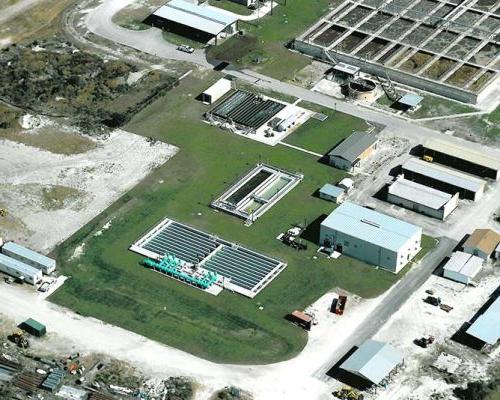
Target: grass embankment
pixel 263 45
pixel 108 283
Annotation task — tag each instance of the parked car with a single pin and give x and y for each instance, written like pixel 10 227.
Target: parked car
pixel 185 48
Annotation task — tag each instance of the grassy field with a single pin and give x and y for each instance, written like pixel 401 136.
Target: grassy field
pixel 263 45
pixel 320 137
pixel 432 106
pixel 108 283
pixel 231 6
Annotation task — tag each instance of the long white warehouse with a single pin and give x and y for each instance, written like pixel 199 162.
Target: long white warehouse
pixel 20 270
pixel 422 199
pixel 370 236
pixel 32 258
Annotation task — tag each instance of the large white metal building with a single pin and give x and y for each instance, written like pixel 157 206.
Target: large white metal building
pixel 20 270
pixel 487 326
pixel 29 257
pixel 199 22
pixel 216 91
pixel 421 198
pixel 462 267
pixel 370 236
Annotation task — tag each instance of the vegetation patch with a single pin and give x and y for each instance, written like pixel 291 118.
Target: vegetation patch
pixel 231 6
pixel 56 79
pixel 56 197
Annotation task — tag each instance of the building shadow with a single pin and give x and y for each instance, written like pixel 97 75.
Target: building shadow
pixel 381 194
pixel 417 151
pixel 346 377
pixel 311 232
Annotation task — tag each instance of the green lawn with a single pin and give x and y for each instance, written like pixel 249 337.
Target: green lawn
pixel 108 283
pixel 231 6
pixel 263 46
pixel 320 137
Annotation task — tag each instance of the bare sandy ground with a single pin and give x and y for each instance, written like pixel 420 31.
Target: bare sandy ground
pixel 99 176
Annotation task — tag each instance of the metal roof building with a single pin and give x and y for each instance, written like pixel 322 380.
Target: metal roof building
pixel 464 158
pixel 202 18
pixel 482 243
pixel 410 100
pixel 353 150
pixel 332 193
pixel 19 270
pixel 30 257
pixel 370 236
pixel 444 178
pixel 487 326
pixel 421 198
pixel 373 361
pixel 462 267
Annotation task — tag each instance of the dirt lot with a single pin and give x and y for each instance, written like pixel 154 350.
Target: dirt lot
pixel 49 196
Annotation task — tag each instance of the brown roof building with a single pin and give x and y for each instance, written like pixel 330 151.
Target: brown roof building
pixel 482 243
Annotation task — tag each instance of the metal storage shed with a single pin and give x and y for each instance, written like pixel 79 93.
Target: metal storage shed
pixel 482 243
pixel 332 193
pixel 352 150
pixel 204 19
pixel 487 326
pixel 443 178
pixel 410 100
pixel 421 198
pixel 216 91
pixel 33 327
pixel 30 257
pixel 464 158
pixel 373 361
pixel 462 267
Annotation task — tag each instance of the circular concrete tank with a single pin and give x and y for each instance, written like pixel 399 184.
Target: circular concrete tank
pixel 362 89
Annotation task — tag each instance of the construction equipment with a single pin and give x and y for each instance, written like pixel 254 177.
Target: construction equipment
pixel 18 338
pixel 428 158
pixel 348 393
pixel 424 341
pixel 434 301
pixel 445 307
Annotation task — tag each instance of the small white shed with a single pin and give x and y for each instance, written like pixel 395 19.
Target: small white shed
pixel 462 267
pixel 216 91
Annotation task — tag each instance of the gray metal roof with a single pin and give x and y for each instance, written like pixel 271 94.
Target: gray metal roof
pixel 346 68
pixel 370 226
pixel 465 153
pixel 331 190
pixel 464 263
pixel 444 174
pixel 411 99
pixel 487 326
pixel 19 266
pixel 419 194
pixel 373 360
pixel 29 254
pixel 202 17
pixel 353 146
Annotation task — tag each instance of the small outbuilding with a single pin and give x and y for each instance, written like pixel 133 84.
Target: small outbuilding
pixel 482 243
pixel 462 267
pixel 29 257
pixel 409 101
pixel 353 151
pixel 332 193
pixel 301 319
pixel 33 327
pixel 373 361
pixel 216 91
pixel 347 184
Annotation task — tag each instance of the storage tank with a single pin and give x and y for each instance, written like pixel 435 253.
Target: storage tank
pixel 362 89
